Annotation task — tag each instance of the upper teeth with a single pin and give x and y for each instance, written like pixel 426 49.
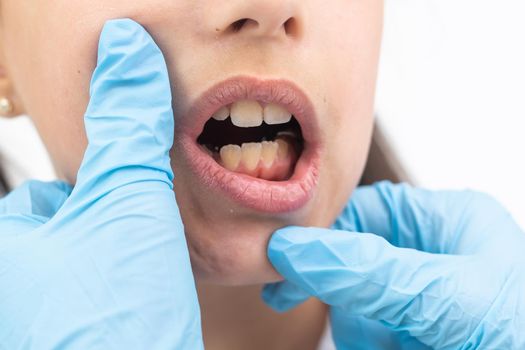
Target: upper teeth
pixel 222 114
pixel 246 114
pixel 249 113
pixel 275 114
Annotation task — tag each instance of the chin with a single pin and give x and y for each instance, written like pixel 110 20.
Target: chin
pixel 232 258
pixel 234 251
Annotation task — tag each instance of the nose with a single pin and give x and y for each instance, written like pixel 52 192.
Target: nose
pixel 268 18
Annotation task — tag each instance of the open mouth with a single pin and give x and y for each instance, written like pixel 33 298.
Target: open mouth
pixel 256 141
pixel 248 137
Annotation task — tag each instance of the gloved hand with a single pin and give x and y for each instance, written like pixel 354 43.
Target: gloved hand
pixel 445 268
pixel 105 265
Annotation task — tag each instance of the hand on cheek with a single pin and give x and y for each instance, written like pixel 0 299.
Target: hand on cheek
pixel 105 262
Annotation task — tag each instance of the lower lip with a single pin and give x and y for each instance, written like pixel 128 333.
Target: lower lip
pixel 257 194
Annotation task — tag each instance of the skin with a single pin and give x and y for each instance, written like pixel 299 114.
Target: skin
pixel 330 51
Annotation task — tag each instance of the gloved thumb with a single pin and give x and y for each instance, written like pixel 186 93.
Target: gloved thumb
pixel 129 120
pixel 362 274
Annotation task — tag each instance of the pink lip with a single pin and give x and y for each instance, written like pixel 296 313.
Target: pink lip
pixel 254 193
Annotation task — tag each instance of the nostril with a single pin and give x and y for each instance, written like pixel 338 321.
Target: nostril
pixel 237 25
pixel 241 23
pixel 291 27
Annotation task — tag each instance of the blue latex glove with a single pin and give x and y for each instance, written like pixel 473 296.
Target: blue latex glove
pixel 105 265
pixel 446 269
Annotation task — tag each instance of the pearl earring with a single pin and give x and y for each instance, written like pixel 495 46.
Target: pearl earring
pixel 6 106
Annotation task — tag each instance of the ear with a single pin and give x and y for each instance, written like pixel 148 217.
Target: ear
pixel 7 91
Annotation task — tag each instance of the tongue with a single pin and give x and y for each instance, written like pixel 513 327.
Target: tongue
pixel 273 161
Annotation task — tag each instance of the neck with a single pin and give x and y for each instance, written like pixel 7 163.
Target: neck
pixel 236 318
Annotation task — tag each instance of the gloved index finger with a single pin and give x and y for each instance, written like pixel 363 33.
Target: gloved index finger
pixel 129 120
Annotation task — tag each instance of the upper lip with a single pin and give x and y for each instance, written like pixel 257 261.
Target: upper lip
pixel 281 92
pixel 261 195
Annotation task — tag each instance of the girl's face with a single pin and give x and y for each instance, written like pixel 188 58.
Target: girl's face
pixel 315 59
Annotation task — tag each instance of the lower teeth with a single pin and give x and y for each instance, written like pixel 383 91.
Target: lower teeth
pixel 270 160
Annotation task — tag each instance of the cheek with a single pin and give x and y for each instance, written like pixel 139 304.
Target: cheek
pixel 51 63
pixel 51 68
pixel 348 94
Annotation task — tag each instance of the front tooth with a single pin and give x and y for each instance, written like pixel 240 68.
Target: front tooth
pixel 282 151
pixel 231 156
pixel 251 154
pixel 269 152
pixel 275 114
pixel 221 114
pixel 246 114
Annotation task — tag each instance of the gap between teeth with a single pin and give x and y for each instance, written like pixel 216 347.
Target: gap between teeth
pixel 250 113
pixel 250 155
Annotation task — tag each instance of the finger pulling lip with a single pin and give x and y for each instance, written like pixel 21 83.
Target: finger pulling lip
pixel 251 192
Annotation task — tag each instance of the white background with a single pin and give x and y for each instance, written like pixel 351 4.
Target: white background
pixel 451 94
pixel 451 97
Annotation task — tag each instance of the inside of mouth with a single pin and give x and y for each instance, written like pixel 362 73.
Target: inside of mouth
pixel 268 152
